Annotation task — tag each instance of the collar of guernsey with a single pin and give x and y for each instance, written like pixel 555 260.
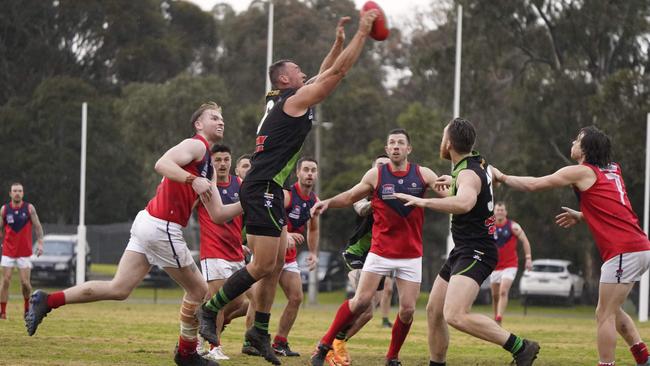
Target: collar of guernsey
pixel 461 165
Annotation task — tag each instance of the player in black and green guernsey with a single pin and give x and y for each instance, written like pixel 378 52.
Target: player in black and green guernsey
pixel 475 253
pixel 280 136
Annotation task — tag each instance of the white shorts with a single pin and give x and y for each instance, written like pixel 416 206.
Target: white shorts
pixel 409 269
pixel 506 273
pixel 291 267
pixel 20 262
pixel 160 241
pixel 625 268
pixel 219 269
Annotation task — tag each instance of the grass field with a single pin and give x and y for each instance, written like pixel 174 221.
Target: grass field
pixel 139 332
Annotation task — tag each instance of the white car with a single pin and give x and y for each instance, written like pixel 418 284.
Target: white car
pixel 552 278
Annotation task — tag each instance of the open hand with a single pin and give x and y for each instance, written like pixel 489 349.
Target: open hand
pixel 568 218
pixel 410 200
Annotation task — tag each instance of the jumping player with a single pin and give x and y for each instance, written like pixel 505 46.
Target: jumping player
pixel 396 242
pixel 508 232
pixel 474 255
pixel 623 246
pixel 18 217
pixel 298 203
pixel 156 236
pixel 280 136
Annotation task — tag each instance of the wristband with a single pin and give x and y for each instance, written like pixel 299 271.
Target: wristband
pixel 190 179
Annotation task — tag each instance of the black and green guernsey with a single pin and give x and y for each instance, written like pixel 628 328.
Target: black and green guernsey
pixel 280 138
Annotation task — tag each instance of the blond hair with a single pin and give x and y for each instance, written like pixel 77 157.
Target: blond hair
pixel 204 107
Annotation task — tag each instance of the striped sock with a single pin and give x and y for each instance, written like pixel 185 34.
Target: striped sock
pixel 514 344
pixel 262 321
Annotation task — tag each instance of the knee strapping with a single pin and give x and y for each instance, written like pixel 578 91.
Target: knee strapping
pixel 189 322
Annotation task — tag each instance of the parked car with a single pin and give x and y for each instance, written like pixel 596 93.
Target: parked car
pixel 58 263
pixel 552 278
pixel 159 278
pixel 330 271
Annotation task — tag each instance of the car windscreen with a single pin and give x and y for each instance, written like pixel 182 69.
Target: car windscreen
pixel 58 247
pixel 547 268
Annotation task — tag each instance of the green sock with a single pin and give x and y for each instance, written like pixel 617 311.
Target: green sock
pixel 218 301
pixel 514 344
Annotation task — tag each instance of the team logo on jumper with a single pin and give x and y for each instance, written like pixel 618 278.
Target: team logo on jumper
pixel 400 181
pixel 268 204
pixel 295 212
pixel 10 219
pixel 225 191
pixel 477 255
pixel 388 192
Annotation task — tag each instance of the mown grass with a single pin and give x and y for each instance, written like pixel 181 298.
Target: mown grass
pixel 139 332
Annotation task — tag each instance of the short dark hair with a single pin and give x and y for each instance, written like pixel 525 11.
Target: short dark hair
pixel 382 156
pixel 399 131
pixel 596 146
pixel 275 70
pixel 245 156
pixel 462 135
pixel 204 107
pixel 500 203
pixel 16 184
pixel 304 159
pixel 217 148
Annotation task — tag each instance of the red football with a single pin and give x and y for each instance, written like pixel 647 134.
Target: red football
pixel 379 29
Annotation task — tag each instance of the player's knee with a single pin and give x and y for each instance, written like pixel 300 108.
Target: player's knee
pixel 454 317
pixel 262 269
pixel 406 313
pixel 503 293
pixel 295 298
pixel 26 286
pixel 360 304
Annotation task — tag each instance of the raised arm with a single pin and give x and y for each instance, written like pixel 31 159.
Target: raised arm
pixel 578 175
pixel 349 197
pixel 326 82
pixel 521 235
pixel 38 228
pixel 469 186
pixel 337 47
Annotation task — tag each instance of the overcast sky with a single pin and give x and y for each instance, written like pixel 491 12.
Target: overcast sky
pixel 397 11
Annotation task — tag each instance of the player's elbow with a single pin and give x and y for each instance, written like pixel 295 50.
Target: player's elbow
pixel 159 166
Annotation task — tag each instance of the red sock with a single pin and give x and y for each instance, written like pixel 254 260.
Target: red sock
pixel 498 318
pixel 26 304
pixel 279 339
pixel 640 353
pixel 3 307
pixel 186 347
pixel 344 316
pixel 55 299
pixel 400 331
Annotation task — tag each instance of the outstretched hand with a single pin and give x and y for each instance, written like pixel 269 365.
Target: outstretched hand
pixel 410 200
pixel 319 208
pixel 568 218
pixel 366 21
pixel 340 29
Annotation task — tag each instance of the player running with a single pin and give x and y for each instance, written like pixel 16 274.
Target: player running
pixel 157 239
pixel 508 232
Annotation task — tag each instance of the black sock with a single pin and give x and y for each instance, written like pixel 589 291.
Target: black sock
pixel 432 363
pixel 514 344
pixel 262 321
pixel 234 286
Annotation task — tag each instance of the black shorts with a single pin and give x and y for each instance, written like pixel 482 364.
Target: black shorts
pixel 473 263
pixel 263 204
